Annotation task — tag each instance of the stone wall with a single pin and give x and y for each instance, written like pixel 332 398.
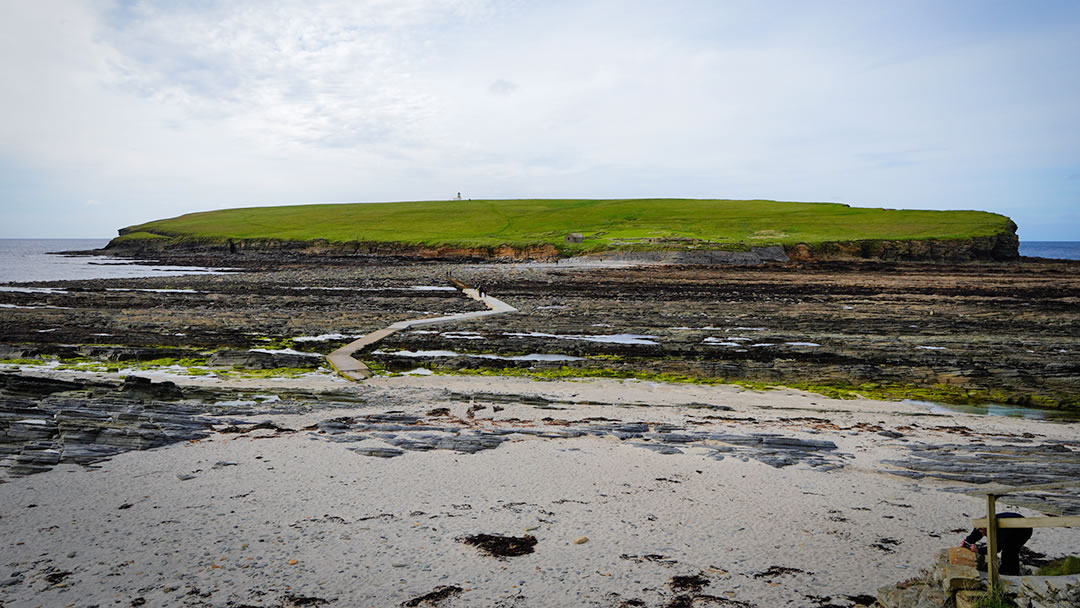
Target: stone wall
pixel 1045 591
pixel 954 581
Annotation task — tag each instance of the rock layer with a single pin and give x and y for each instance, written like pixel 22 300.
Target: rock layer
pixel 999 247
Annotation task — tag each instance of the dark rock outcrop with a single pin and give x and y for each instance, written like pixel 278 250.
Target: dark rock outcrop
pixel 1000 247
pixel 262 360
pixel 137 387
pixel 37 435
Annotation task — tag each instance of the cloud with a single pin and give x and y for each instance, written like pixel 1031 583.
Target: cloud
pixel 165 108
pixel 502 87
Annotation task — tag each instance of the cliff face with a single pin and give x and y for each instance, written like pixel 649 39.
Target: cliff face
pixel 163 247
pixel 1000 247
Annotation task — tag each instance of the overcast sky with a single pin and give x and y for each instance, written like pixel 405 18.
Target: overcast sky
pixel 115 113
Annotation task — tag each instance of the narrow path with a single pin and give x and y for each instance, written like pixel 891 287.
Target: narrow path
pixel 342 359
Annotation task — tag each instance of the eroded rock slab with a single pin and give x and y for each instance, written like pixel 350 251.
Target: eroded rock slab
pixel 1033 462
pixel 398 433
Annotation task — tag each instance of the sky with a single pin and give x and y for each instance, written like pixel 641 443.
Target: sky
pixel 114 113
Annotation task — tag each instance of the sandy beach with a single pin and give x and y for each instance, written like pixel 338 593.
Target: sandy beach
pixel 637 493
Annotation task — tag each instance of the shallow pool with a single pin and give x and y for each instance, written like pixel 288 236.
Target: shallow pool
pixel 996 409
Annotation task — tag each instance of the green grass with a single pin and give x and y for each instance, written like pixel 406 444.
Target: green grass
pixel 193 366
pixel 606 224
pixel 18 361
pixel 1069 565
pixel 995 599
pixel 134 236
pixel 277 372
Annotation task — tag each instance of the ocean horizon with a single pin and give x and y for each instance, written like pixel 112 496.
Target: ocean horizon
pixel 27 260
pixel 1058 250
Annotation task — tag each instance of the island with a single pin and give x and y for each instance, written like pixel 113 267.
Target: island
pixel 677 230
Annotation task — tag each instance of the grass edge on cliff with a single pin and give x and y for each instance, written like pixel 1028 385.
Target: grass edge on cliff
pixel 628 224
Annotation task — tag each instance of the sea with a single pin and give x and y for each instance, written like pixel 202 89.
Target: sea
pixel 25 260
pixel 1060 250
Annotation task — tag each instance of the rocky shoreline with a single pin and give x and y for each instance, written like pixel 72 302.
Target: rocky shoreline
pixel 965 333
pixel 961 333
pixel 219 383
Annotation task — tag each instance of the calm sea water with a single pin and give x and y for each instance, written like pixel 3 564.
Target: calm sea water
pixel 1062 250
pixel 24 260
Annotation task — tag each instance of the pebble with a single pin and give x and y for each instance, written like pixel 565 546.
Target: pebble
pixel 581 540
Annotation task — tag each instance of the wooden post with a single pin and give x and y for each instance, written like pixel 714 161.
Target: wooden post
pixel 991 541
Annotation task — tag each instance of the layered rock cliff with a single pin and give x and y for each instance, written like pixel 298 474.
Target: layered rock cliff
pixel 1001 247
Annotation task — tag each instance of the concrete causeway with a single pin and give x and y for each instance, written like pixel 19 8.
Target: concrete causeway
pixel 347 366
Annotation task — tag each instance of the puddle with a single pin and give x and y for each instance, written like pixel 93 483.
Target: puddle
pixel 747 329
pixel 284 351
pixel 34 307
pixel 325 337
pixel 931 347
pixel 631 339
pixel 995 409
pixel 410 288
pixel 719 342
pixel 155 290
pixel 33 290
pixel 737 341
pixel 810 344
pixel 462 335
pixel 553 307
pixel 451 353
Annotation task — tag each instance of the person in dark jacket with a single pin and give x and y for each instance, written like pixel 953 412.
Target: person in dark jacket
pixel 1010 540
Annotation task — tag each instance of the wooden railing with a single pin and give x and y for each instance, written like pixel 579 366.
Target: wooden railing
pixel 992 523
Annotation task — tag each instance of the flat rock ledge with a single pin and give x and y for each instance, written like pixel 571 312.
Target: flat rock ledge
pixel 388 435
pixel 46 422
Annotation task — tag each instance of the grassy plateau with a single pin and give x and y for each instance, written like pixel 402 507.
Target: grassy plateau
pixel 605 224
